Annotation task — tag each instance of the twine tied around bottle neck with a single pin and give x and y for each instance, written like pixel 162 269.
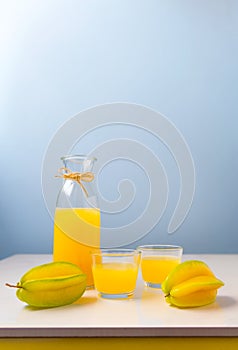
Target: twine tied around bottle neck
pixel 67 174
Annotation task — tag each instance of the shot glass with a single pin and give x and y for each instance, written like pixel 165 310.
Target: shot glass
pixel 157 261
pixel 115 272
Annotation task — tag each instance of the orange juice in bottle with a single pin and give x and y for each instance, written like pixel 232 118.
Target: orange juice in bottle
pixel 77 216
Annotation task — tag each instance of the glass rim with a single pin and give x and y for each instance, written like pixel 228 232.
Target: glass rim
pixel 116 252
pixel 159 247
pixel 77 156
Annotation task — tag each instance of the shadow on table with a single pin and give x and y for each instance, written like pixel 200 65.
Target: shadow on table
pixel 86 300
pixel 226 301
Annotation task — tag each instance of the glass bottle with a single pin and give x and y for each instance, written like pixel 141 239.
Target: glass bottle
pixel 77 215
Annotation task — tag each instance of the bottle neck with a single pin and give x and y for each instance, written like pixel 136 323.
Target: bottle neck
pixel 79 190
pixel 79 164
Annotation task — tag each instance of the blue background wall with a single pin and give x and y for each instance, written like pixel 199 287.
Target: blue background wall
pixel 178 57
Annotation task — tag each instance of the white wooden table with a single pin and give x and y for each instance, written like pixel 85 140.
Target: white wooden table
pixel 145 315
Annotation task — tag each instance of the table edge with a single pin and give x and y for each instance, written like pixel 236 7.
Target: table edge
pixel 118 332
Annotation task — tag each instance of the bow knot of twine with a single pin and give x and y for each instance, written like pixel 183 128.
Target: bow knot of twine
pixel 67 174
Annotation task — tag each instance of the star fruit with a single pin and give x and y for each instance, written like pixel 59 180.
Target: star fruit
pixel 50 285
pixel 191 284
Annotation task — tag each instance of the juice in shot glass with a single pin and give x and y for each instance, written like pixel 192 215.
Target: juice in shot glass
pixel 157 261
pixel 115 272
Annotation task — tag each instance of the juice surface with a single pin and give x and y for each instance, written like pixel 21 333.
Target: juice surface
pixel 76 236
pixel 115 278
pixel 155 269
